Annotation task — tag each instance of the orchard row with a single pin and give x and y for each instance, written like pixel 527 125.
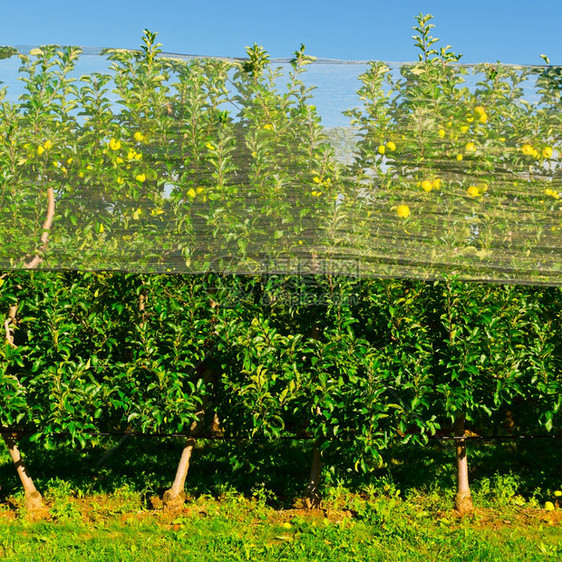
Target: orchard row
pixel 353 365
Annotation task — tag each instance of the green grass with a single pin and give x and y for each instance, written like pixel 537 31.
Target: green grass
pixel 241 505
pixel 237 528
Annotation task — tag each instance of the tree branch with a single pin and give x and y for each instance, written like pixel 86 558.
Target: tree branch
pixel 46 227
pixel 10 321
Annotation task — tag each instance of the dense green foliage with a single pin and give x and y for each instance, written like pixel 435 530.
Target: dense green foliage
pixel 351 364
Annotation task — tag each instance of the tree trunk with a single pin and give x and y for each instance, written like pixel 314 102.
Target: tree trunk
pixel 174 498
pixel 33 499
pixel 463 499
pixel 312 497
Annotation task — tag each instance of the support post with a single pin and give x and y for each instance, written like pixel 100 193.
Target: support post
pixel 313 498
pixel 463 499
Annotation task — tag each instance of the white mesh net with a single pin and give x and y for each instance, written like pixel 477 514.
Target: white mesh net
pixel 145 162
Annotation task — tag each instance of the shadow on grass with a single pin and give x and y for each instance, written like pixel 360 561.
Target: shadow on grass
pixel 276 470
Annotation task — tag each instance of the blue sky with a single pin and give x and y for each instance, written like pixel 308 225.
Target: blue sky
pixel 514 31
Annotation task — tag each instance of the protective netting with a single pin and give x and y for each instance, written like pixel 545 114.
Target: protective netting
pixel 160 163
